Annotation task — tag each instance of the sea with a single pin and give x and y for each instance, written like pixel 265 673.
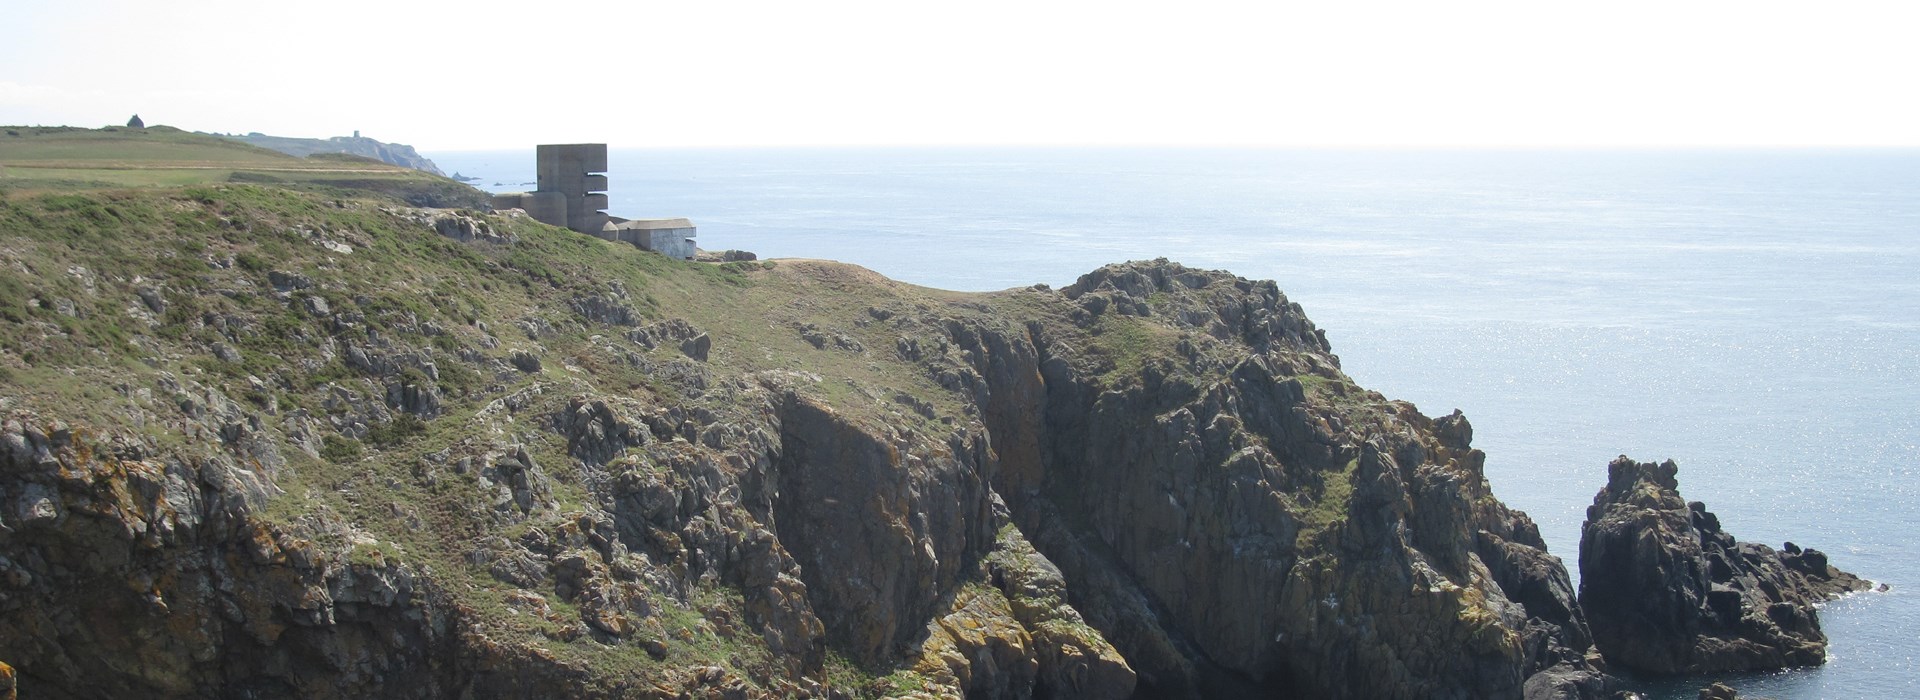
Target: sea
pixel 1752 314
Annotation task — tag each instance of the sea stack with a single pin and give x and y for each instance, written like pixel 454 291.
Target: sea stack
pixel 1666 591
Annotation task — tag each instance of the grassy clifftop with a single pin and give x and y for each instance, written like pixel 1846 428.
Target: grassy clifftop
pixel 36 158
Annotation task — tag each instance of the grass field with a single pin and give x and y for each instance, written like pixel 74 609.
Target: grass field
pixel 35 158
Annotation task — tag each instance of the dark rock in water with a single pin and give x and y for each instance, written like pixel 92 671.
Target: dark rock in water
pixel 1667 591
pixel 1569 681
pixel 1719 691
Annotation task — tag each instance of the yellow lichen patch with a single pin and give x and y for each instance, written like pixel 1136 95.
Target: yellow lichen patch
pixel 1484 630
pixel 978 636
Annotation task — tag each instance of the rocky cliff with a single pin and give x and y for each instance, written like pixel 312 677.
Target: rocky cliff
pixel 266 443
pixel 1669 592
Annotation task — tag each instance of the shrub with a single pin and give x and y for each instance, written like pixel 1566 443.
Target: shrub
pixel 335 448
pixel 393 432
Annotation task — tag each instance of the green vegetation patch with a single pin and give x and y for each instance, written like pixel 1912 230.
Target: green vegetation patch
pixel 1328 509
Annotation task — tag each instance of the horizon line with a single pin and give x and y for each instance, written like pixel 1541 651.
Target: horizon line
pixel 1220 146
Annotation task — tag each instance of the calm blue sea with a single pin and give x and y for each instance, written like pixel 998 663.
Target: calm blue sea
pixel 1754 315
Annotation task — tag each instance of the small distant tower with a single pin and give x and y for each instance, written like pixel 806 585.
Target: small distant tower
pixel 135 123
pixel 356 133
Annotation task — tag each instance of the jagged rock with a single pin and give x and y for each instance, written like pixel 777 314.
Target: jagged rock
pixel 388 364
pixel 597 431
pixel 525 361
pixel 152 297
pixel 537 328
pixel 522 482
pixel 1255 312
pixel 1072 659
pixel 978 649
pixel 697 347
pixel 421 400
pixel 1667 591
pixel 821 338
pixel 605 308
pixel 656 334
pixel 467 229
pixel 288 281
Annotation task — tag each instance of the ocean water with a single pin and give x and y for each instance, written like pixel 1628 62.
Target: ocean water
pixel 1754 315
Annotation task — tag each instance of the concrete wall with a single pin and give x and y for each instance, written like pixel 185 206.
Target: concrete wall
pixel 676 243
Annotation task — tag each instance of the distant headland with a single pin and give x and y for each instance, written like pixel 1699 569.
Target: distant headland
pixel 391 153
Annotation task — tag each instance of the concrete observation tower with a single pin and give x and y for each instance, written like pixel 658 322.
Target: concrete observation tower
pixel 572 192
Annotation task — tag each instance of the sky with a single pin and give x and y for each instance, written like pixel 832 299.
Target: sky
pixel 478 74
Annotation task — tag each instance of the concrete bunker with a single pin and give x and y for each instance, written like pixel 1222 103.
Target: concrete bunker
pixel 572 192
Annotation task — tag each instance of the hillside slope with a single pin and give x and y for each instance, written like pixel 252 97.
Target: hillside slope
pixel 259 441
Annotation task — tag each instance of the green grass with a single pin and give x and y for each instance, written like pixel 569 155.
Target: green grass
pixel 1329 508
pixel 67 158
pixel 158 144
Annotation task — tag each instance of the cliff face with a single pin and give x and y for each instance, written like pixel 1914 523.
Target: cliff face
pixel 515 460
pixel 1672 593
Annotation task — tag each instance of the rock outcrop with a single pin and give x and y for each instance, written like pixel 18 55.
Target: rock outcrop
pixel 1667 591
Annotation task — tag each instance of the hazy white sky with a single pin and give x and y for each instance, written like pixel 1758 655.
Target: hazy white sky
pixel 482 74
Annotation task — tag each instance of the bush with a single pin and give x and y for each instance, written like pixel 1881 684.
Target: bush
pixel 393 432
pixel 335 448
pixel 251 262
